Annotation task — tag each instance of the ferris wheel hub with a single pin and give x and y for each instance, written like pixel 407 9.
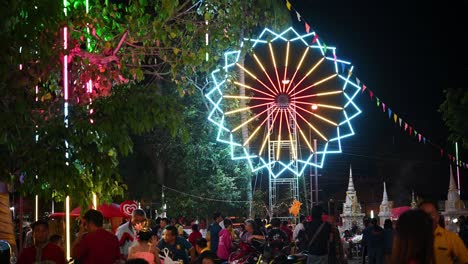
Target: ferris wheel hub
pixel 282 101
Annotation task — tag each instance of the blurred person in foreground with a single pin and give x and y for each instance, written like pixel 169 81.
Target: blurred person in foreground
pixel 203 251
pixel 448 247
pixel 413 239
pixel 42 251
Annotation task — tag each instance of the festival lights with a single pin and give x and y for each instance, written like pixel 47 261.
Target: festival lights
pixel 293 93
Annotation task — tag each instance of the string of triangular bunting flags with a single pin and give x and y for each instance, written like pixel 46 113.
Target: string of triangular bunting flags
pixel 392 115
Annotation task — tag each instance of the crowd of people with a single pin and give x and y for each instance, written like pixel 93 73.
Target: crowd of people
pixel 416 238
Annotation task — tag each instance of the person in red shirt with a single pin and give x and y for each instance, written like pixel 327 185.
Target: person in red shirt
pixel 195 235
pixel 94 244
pixel 42 249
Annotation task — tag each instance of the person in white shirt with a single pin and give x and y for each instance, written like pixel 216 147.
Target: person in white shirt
pixel 126 233
pixel 299 227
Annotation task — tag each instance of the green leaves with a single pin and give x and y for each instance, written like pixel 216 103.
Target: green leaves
pixel 454 110
pixel 133 90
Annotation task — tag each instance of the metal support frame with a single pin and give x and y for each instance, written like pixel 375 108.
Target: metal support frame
pixel 285 179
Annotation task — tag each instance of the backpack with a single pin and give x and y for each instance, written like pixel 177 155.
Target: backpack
pixel 303 240
pixel 307 238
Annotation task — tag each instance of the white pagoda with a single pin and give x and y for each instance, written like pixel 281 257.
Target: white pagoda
pixel 385 210
pixel 454 206
pixel 414 204
pixel 351 207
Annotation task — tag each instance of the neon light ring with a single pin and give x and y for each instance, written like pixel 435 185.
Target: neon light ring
pixel 293 92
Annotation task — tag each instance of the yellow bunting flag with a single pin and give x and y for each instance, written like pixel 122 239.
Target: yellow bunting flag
pixel 288 5
pixel 395 117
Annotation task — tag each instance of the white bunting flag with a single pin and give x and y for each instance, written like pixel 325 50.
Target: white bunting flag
pixel 298 16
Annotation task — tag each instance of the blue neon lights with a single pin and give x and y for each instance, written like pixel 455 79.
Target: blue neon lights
pixel 222 91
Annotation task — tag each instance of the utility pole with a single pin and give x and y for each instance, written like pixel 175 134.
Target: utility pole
pixel 315 172
pixel 458 169
pixel 310 174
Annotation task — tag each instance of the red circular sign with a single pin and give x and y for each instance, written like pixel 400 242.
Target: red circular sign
pixel 127 207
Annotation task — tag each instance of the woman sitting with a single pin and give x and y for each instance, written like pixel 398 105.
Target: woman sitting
pixel 145 248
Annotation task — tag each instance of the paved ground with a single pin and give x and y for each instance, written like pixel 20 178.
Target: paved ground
pixel 354 261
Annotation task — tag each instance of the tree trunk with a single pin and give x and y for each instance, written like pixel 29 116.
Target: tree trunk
pixel 7 231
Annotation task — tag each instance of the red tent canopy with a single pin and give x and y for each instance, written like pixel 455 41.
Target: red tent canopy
pixel 61 214
pixel 399 210
pixel 107 210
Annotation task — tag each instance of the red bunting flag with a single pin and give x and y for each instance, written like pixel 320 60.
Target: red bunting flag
pixel 315 38
pixel 383 106
pixel 364 87
pixel 410 130
pixel 441 152
pixel 406 126
pixel 307 27
pixel 371 93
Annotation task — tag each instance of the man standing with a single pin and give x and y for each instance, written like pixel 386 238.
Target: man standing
pixel 41 250
pixel 319 236
pixel 365 238
pixel 126 233
pixel 213 232
pixel 448 247
pixel 177 245
pixel 94 244
pixel 299 227
pixel 376 243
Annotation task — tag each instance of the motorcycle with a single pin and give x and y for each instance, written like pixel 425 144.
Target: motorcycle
pixel 247 253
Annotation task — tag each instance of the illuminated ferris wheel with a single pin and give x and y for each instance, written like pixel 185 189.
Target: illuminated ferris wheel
pixel 295 90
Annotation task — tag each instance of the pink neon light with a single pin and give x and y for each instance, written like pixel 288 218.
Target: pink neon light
pixel 65 64
pixel 89 86
pixel 37 91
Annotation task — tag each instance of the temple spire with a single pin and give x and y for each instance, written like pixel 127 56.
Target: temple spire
pixel 452 185
pixel 351 184
pixel 385 196
pixel 351 208
pixel 385 210
pixel 414 205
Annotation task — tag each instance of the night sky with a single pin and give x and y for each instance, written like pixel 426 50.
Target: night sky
pixel 407 52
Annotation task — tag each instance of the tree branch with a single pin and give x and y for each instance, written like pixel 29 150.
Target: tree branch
pixel 120 43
